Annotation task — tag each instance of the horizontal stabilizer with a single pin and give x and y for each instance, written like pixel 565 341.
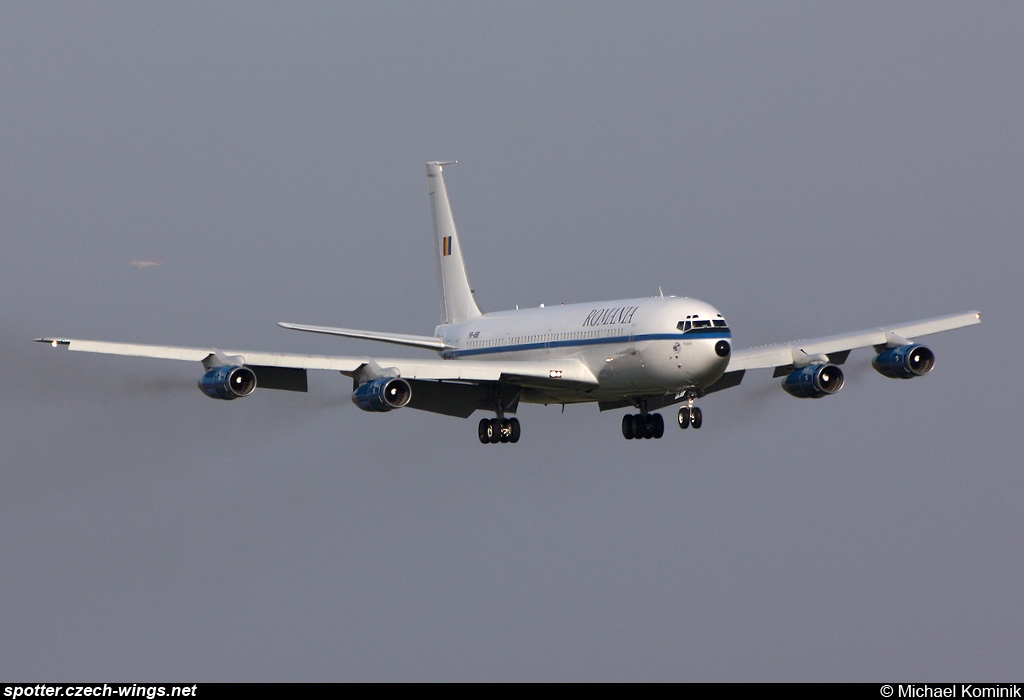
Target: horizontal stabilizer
pixel 414 341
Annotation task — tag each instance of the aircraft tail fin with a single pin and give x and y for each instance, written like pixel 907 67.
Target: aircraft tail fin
pixel 457 302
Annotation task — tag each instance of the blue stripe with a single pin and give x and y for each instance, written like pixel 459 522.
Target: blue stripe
pixel 582 342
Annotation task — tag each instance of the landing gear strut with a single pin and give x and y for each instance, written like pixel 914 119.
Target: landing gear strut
pixel 495 430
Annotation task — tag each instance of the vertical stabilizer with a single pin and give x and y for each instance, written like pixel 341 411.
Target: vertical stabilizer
pixel 457 302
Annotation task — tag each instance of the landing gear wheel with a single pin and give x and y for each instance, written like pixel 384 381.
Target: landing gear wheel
pixel 684 417
pixel 696 418
pixel 657 425
pixel 627 426
pixel 495 430
pixel 639 426
pixel 648 427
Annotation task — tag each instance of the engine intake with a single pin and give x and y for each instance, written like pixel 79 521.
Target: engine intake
pixel 904 362
pixel 228 383
pixel 813 381
pixel 384 394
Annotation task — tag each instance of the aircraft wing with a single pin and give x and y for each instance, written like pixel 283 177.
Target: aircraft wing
pixel 799 352
pixel 443 383
pixel 173 352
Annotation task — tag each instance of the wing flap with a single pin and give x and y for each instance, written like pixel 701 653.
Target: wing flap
pixel 281 378
pixel 449 398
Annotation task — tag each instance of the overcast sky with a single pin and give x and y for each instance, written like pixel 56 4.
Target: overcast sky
pixel 808 168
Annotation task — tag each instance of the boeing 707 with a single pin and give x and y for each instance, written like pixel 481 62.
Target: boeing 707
pixel 641 354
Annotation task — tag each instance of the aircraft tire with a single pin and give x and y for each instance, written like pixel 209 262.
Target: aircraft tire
pixel 514 430
pixel 493 431
pixel 627 426
pixel 658 425
pixel 482 431
pixel 696 418
pixel 684 417
pixel 639 426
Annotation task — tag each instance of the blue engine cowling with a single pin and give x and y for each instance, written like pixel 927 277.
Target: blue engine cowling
pixel 384 394
pixel 228 383
pixel 813 381
pixel 904 362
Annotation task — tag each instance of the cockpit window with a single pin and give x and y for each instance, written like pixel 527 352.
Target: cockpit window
pixel 696 325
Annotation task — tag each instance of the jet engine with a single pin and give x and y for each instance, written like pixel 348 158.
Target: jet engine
pixel 813 381
pixel 383 394
pixel 228 382
pixel 904 362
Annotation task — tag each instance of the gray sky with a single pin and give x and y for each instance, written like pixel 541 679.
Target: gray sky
pixel 807 168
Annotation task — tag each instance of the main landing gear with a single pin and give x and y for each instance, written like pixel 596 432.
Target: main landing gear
pixel 495 430
pixel 642 426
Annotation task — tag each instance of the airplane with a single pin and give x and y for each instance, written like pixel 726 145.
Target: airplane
pixel 643 354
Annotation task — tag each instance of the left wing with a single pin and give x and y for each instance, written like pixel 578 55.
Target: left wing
pixel 835 348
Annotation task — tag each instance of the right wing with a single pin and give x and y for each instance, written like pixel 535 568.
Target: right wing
pixel 441 386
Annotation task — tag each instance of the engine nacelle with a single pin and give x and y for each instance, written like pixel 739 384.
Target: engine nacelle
pixel 228 382
pixel 813 381
pixel 904 362
pixel 384 394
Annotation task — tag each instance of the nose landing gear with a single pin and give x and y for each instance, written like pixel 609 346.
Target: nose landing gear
pixel 690 414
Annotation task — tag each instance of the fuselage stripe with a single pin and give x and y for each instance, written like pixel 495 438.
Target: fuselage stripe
pixel 583 342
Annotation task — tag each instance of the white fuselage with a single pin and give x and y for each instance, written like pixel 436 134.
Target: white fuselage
pixel 633 346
